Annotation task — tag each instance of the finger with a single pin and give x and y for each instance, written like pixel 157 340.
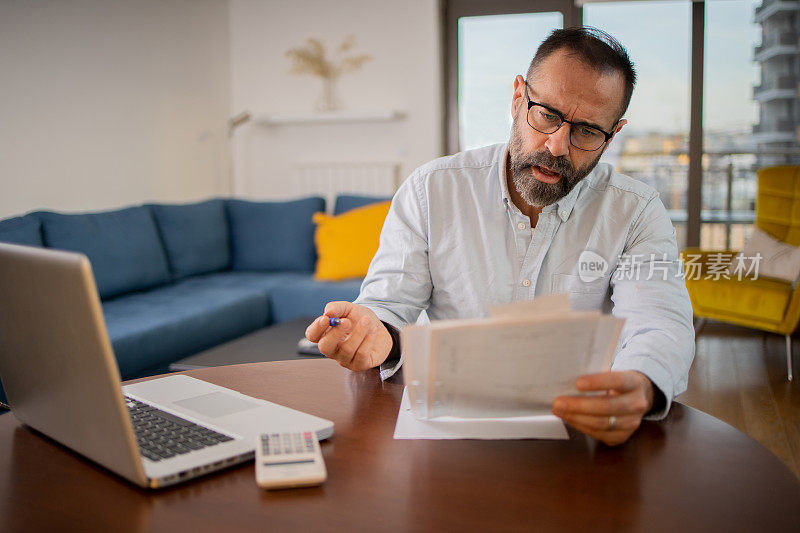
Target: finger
pixel 329 342
pixel 611 438
pixel 585 423
pixel 621 381
pixel 365 356
pixel 317 328
pixel 349 346
pixel 619 405
pixel 338 309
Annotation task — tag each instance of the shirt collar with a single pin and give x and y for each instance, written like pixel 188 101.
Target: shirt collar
pixel 562 207
pixel 505 197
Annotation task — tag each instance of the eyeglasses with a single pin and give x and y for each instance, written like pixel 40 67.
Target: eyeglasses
pixel 547 120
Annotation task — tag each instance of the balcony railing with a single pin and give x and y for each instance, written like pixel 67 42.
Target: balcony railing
pixel 767 4
pixel 786 38
pixel 729 187
pixel 776 83
pixel 782 125
pixel 764 5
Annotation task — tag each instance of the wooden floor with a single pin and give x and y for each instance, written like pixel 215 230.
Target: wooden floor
pixel 739 376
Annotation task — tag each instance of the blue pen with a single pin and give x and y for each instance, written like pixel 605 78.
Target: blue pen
pixel 334 322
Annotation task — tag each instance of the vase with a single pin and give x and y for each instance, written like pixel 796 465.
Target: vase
pixel 329 98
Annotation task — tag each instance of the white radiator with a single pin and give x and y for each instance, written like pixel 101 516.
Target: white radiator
pixel 330 179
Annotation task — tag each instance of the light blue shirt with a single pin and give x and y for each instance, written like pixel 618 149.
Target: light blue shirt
pixel 455 244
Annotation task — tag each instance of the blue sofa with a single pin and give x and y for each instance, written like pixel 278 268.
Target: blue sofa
pixel 178 279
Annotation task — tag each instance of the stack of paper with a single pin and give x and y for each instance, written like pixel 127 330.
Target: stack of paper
pixel 512 364
pixel 450 427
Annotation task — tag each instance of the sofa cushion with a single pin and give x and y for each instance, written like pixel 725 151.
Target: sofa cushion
pixel 346 243
pixel 291 294
pixel 742 300
pixel 156 327
pixel 766 256
pixel 308 297
pixel 195 237
pixel 347 202
pixel 273 236
pixel 21 230
pixel 123 247
pixel 262 282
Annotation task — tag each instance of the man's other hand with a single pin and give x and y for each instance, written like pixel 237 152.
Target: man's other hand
pixel 359 342
pixel 611 417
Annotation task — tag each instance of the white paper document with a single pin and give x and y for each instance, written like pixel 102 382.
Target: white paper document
pixel 448 427
pixel 512 364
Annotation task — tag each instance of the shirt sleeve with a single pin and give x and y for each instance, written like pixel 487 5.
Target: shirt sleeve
pixel 398 284
pixel 649 291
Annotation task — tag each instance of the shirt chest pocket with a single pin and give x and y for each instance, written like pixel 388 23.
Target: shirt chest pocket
pixel 588 295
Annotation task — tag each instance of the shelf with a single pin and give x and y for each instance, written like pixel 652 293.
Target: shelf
pixel 331 117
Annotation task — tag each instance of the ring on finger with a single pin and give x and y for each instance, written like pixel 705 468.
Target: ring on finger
pixel 612 422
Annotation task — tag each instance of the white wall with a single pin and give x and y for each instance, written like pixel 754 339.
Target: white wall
pixel 405 74
pixel 108 103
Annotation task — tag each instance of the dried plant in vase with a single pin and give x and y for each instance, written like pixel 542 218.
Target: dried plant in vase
pixel 312 59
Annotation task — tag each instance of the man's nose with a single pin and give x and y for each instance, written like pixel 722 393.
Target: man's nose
pixel 558 141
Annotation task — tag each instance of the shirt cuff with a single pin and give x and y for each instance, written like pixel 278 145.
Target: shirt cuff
pixel 658 376
pixel 395 359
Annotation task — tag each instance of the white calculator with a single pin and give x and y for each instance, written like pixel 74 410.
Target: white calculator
pixel 285 460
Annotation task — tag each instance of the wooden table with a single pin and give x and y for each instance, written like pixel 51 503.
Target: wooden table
pixel 688 473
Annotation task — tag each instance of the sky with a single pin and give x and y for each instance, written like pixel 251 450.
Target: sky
pixel 494 49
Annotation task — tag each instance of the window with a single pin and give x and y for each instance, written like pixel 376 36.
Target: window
pixel 652 146
pixel 729 114
pixel 492 50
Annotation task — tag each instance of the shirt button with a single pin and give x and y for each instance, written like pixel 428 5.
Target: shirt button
pixel 563 213
pixel 526 283
pixel 521 225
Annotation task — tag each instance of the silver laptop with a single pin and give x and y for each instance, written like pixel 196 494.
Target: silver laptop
pixel 61 378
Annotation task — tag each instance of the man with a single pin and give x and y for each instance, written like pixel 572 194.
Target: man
pixel 510 222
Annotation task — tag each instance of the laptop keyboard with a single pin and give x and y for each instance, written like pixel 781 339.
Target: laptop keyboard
pixel 161 435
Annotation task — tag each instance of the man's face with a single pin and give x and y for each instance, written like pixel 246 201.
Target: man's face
pixel 546 167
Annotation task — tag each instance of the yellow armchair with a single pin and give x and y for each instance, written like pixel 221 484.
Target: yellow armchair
pixel 764 303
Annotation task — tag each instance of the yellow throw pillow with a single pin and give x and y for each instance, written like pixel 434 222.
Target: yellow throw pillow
pixel 347 242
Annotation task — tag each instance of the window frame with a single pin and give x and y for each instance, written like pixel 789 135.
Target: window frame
pixel 454 10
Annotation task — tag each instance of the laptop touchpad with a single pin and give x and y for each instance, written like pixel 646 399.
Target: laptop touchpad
pixel 216 404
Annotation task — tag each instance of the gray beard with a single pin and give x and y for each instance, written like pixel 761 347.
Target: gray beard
pixel 537 193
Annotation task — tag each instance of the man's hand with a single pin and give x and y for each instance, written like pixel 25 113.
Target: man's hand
pixel 359 342
pixel 614 416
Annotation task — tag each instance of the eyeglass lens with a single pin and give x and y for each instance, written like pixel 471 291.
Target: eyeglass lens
pixel 584 137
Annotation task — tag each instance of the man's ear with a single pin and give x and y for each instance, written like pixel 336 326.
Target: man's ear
pixel 519 95
pixel 618 127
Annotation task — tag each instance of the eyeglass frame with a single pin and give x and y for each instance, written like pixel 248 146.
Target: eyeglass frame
pixel 560 115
